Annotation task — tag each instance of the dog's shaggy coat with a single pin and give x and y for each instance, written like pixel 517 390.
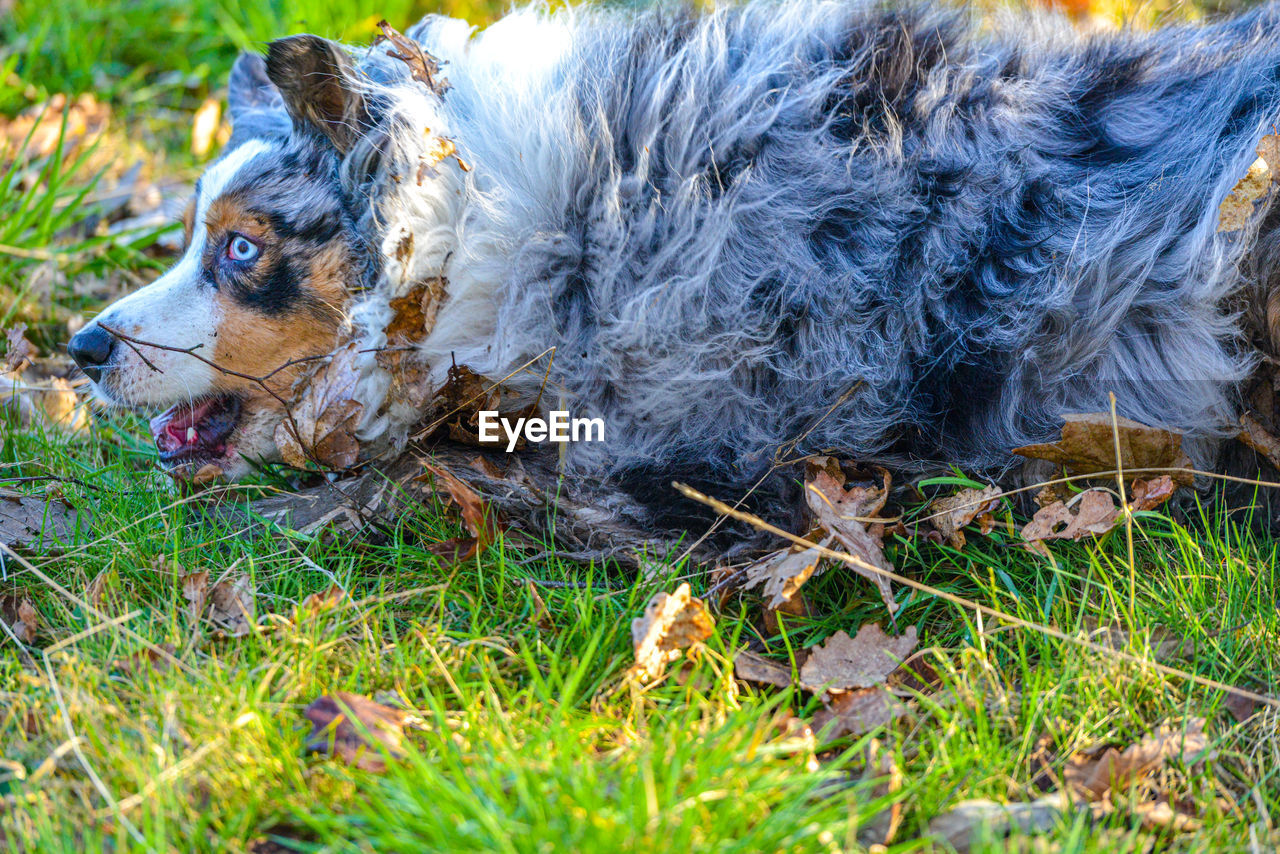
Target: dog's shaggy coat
pixel 888 231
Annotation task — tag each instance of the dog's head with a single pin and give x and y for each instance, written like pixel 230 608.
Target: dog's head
pixel 272 258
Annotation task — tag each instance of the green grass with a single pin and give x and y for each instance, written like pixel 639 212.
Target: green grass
pixel 527 735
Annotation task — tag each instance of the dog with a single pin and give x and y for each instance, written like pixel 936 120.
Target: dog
pixel 897 232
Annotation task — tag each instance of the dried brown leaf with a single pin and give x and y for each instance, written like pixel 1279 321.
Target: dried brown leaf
pixel 1237 208
pixel 839 512
pixel 782 573
pixel 845 663
pixel 20 616
pixel 671 622
pixel 756 668
pixel 231 604
pixel 1095 513
pixel 344 724
pixel 951 513
pixel 19 351
pixel 857 712
pixel 1150 494
pixel 476 516
pixel 423 67
pixel 325 416
pixel 195 589
pixel 1088 446
pixel 27 519
pixel 1093 774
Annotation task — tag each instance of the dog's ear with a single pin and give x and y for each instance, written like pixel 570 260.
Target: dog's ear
pixel 316 80
pixel 253 102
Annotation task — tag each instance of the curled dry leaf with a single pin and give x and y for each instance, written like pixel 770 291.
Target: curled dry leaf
pixel 1094 773
pixel 413 318
pixel 1095 513
pixel 325 416
pixel 846 663
pixel 18 351
pixel 782 573
pixel 476 517
pixel 1088 445
pixel 20 616
pixel 951 513
pixel 1237 208
pixel 326 600
pixel 671 622
pixel 423 67
pixel 840 512
pixel 1260 439
pixel 229 603
pixel 1150 494
pixel 343 725
pixel 464 395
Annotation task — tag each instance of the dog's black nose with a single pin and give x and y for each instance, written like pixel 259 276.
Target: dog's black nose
pixel 91 348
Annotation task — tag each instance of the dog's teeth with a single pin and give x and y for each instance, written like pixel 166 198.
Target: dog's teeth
pixel 192 435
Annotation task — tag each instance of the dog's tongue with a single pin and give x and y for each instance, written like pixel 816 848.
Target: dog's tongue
pixel 190 427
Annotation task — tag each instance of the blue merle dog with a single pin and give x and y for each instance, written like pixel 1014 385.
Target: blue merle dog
pixel 902 233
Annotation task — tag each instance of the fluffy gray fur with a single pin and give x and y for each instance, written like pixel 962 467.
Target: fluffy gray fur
pixel 888 231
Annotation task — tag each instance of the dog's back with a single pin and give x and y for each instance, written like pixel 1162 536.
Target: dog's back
pixel 779 229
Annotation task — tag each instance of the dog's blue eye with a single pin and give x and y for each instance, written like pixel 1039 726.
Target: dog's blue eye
pixel 242 248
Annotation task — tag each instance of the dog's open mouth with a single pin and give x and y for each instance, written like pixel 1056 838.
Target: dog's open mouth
pixel 196 432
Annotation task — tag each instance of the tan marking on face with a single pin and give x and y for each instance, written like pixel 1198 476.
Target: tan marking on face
pixel 256 345
pixel 228 213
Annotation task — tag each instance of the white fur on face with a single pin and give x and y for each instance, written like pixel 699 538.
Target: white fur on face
pixel 177 310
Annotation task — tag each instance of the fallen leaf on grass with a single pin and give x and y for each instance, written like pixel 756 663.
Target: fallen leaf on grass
pixel 343 724
pixel 1088 446
pixel 327 600
pixel 964 824
pixel 672 622
pixel 20 616
pixel 858 712
pixel 1094 773
pixel 476 517
pixel 19 351
pixel 1094 513
pixel 1150 494
pixel 782 573
pixel 952 513
pixel 325 416
pixel 840 512
pixel 26 519
pixel 845 663
pixel 1240 707
pixel 40 127
pixel 230 602
pixel 756 668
